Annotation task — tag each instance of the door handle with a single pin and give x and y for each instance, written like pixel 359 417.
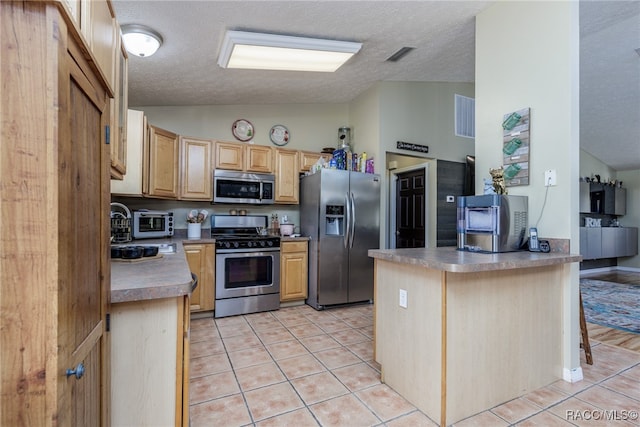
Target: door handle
pixel 78 372
pixel 353 219
pixel 347 232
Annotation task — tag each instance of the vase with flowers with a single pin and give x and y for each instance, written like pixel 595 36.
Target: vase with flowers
pixel 194 223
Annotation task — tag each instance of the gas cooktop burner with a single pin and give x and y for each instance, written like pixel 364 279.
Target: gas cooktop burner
pixel 241 232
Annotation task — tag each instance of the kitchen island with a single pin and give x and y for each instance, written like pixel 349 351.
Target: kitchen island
pixel 476 329
pixel 150 338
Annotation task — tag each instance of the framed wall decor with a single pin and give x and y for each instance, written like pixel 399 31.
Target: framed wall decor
pixel 516 147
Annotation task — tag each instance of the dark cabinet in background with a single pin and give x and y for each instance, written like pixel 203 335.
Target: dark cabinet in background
pixel 602 199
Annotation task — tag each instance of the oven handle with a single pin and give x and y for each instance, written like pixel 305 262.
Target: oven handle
pixel 246 250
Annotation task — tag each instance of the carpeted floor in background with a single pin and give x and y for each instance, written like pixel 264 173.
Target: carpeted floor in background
pixel 615 305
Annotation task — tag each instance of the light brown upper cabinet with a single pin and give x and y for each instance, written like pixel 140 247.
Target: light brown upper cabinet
pixel 243 157
pixel 119 106
pixel 160 164
pixel 287 176
pixel 195 169
pixel 309 158
pixel 131 184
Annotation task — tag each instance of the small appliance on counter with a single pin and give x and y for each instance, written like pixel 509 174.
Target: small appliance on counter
pixel 148 224
pixel 120 223
pixel 492 223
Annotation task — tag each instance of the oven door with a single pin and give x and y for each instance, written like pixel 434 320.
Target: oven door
pixel 247 272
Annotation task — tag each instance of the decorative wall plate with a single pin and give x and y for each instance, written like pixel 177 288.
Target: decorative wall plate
pixel 279 135
pixel 242 130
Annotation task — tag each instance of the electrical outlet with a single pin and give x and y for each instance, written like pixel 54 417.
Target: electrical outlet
pixel 403 298
pixel 549 177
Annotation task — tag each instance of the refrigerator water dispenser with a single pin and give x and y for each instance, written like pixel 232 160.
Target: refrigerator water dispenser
pixel 334 226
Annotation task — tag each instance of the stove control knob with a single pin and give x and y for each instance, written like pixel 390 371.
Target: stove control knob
pixel 270 243
pixel 249 244
pixel 227 245
pixel 236 245
pixel 262 243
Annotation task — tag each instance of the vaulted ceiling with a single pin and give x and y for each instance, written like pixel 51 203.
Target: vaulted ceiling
pixel 184 71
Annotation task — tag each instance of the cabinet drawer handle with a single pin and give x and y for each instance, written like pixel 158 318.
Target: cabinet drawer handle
pixel 78 372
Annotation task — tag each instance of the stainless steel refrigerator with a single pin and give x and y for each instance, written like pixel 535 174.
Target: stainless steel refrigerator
pixel 340 211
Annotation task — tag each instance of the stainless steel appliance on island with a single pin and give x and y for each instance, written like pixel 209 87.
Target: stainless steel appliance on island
pixel 340 211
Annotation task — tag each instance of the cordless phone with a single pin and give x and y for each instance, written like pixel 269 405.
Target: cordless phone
pixel 534 245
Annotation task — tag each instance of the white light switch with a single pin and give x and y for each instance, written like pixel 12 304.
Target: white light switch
pixel 403 298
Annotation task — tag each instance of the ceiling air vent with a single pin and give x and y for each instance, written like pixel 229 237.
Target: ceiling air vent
pixel 465 112
pixel 401 53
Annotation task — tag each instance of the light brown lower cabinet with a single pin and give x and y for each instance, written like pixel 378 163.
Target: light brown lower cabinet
pixel 201 260
pixel 294 270
pixel 150 362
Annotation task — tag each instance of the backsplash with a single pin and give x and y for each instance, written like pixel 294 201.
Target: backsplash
pixel 180 209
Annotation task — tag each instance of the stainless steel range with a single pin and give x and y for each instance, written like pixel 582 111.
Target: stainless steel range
pixel 247 265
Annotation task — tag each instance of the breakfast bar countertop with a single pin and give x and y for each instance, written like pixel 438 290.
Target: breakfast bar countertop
pixel 452 260
pixel 167 276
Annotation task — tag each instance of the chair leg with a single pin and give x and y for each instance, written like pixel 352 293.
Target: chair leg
pixel 585 335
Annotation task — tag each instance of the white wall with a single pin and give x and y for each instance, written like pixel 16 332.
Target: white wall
pixel 527 55
pixel 631 181
pixel 311 126
pixel 423 113
pixel 590 166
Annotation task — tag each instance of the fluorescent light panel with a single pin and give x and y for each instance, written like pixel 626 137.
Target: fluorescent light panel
pixel 274 52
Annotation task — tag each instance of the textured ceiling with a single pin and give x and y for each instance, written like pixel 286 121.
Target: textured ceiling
pixel 184 70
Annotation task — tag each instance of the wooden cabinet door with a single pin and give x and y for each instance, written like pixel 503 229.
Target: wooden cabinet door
pixel 119 115
pixel 229 156
pixel 201 259
pixel 82 260
pixel 259 159
pixel 54 268
pixel 131 184
pixel 294 271
pixel 308 159
pixel 163 163
pixel 196 179
pixel 287 177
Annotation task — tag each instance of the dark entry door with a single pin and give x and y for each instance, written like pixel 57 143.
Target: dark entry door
pixel 410 209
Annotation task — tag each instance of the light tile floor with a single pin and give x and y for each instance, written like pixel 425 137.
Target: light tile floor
pixel 302 367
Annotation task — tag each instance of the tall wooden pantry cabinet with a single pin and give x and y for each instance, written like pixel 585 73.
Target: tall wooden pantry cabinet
pixel 54 224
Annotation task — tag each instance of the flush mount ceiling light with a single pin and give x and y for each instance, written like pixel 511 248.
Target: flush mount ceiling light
pixel 140 40
pixel 259 51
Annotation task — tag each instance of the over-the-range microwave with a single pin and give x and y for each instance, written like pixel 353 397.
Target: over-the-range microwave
pixel 243 187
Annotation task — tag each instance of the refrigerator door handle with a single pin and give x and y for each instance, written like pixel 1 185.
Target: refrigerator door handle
pixel 353 220
pixel 347 232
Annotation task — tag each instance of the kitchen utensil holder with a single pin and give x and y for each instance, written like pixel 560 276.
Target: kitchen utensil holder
pixel 194 230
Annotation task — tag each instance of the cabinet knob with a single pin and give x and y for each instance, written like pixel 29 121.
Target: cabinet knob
pixel 78 372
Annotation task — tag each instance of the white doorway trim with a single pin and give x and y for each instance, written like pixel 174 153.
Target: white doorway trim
pixel 393 178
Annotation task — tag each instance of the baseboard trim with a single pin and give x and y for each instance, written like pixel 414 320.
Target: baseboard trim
pixel 608 270
pixel 572 375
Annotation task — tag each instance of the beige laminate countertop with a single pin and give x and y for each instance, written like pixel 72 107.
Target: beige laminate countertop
pixel 165 277
pixel 452 260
